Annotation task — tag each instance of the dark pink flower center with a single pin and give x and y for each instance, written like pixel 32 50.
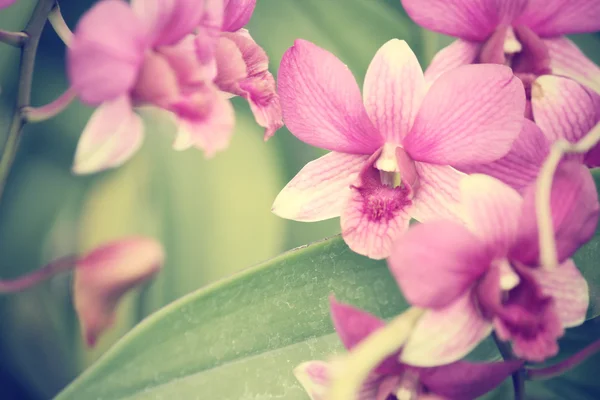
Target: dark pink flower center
pixel 385 188
pixel 519 48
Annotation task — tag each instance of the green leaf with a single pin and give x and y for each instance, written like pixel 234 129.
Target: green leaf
pixel 241 338
pixel 586 260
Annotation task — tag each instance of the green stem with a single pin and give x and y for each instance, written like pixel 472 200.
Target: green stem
pixel 518 377
pixel 33 32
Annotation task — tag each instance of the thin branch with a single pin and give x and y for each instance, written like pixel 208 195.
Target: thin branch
pixel 565 365
pixel 33 31
pixel 62 264
pixel 518 377
pixel 15 39
pixel 60 26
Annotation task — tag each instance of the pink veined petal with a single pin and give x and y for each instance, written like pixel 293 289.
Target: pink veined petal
pixel 467 19
pixel 561 17
pixel 210 132
pixel 208 32
pixel 353 325
pixel 476 107
pixel 231 67
pixel 460 52
pixel 106 53
pixel 258 86
pixel 519 168
pixel 437 195
pixel 436 263
pixel 446 335
pixel 168 21
pixel 316 376
pixel 393 90
pixel 467 380
pixel 112 135
pixel 575 210
pixel 237 14
pixel 321 101
pixel 567 60
pixel 563 108
pixel 569 290
pixel 321 189
pixel 492 211
pixel 374 214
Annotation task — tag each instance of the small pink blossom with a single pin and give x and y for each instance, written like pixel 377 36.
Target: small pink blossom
pixel 166 54
pixel 392 148
pixel 527 35
pixel 107 273
pixel 457 381
pixel 487 277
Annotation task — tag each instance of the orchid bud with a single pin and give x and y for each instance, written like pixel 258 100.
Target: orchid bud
pixel 107 273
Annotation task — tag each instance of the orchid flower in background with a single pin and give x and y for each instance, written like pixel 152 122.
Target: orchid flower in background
pixel 563 110
pixel 106 274
pixel 391 154
pixel 6 3
pixel 171 55
pixel 487 276
pixel 526 35
pixel 395 380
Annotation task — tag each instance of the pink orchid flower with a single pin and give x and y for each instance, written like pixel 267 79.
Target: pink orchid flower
pixel 166 54
pixel 392 148
pixel 105 274
pixel 524 34
pixel 562 109
pixel 457 381
pixel 486 276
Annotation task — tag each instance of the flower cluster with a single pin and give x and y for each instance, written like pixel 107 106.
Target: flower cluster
pixel 473 149
pixel 460 149
pixel 186 57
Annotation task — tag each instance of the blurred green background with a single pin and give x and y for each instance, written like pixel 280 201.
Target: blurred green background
pixel 213 216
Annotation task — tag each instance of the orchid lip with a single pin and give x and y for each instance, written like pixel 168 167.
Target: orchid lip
pixel 408 389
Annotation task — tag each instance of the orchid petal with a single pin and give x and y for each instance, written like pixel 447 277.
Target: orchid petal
pixel 321 189
pixel 575 209
pixel 437 194
pixel 437 262
pixel 562 108
pixel 105 274
pixel 237 14
pixel 393 90
pixel 316 376
pixel 353 325
pixel 258 86
pixel 169 21
pixel 466 19
pixel 568 288
pixel 466 380
pixel 561 17
pixel 209 31
pixel 460 52
pixel 321 101
pixel 112 135
pixel 567 60
pixel 231 67
pixel 446 335
pixel 6 3
pixel 375 214
pixel 210 131
pixel 106 52
pixel 492 209
pixel 520 167
pixel 476 107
